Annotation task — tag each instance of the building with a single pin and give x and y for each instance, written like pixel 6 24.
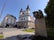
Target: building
pixel 25 20
pixel 0 25
pixel 9 20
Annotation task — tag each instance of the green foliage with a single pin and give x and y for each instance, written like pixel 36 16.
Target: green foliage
pixel 50 31
pixel 29 30
pixel 1 36
pixel 49 10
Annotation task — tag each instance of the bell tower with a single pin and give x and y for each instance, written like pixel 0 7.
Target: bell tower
pixel 27 10
pixel 21 10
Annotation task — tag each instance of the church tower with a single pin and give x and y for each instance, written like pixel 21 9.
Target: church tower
pixel 27 10
pixel 21 11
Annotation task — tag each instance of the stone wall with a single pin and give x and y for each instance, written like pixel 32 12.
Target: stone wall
pixel 40 27
pixel 31 25
pixel 27 24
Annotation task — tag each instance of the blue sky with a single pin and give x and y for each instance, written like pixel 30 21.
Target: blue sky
pixel 13 6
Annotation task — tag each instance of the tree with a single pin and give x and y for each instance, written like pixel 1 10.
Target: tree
pixel 49 10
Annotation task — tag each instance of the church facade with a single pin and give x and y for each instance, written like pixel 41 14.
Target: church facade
pixel 25 19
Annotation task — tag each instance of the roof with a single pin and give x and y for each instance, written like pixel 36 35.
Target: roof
pixel 11 16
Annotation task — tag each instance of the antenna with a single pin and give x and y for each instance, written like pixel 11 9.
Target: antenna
pixel 3 8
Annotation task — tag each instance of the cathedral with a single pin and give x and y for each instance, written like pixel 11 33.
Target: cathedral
pixel 25 19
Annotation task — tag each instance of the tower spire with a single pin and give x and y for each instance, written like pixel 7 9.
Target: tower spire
pixel 21 10
pixel 27 7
